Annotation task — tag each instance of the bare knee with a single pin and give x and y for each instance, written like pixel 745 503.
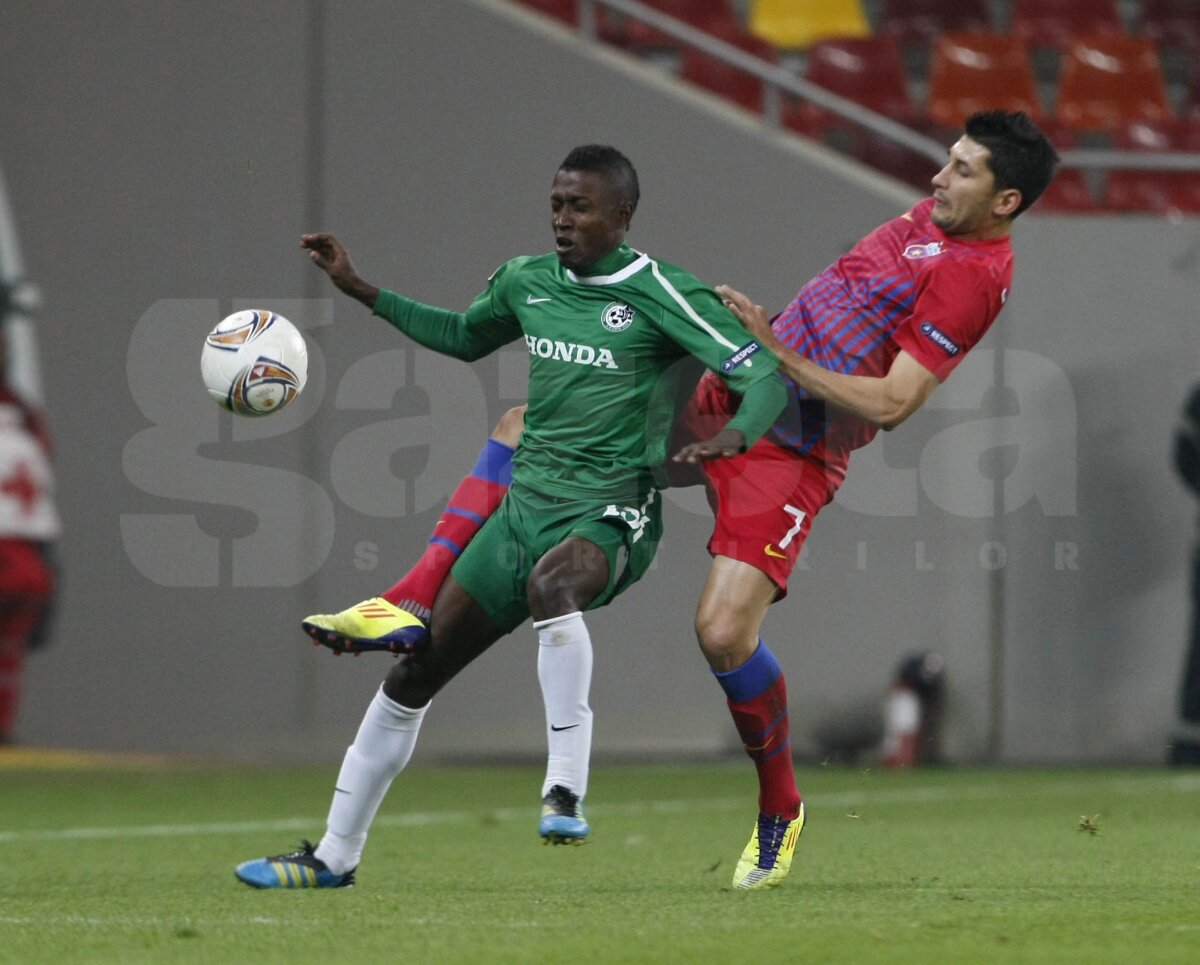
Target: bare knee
pixel 508 430
pixel 412 685
pixel 726 640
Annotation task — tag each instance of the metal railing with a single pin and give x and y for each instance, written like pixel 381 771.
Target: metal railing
pixel 779 82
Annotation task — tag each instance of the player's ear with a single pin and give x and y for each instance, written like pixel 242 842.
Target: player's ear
pixel 1006 202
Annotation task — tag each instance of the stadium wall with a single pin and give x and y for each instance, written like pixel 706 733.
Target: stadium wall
pixel 163 159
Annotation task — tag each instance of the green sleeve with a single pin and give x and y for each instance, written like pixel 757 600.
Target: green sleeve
pixel 468 336
pixel 760 407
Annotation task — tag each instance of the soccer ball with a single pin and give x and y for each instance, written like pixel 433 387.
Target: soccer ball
pixel 254 362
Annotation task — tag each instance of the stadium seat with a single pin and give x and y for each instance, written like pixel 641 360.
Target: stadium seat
pixel 1161 192
pixel 633 34
pixel 1052 23
pixel 1171 24
pixel 898 161
pixel 918 23
pixel 724 78
pixel 971 72
pixel 798 24
pixel 866 70
pixel 565 10
pixel 1191 98
pixel 1108 80
pixel 1070 191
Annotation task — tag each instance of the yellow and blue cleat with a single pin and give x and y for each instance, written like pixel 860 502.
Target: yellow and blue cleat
pixel 300 869
pixel 374 624
pixel 562 817
pixel 768 857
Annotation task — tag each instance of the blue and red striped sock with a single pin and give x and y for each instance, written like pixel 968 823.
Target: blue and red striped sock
pixel 757 698
pixel 475 499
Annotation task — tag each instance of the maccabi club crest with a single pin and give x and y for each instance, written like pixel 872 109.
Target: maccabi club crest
pixel 617 316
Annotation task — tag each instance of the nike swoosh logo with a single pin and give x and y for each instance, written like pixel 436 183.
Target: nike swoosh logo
pixel 568 727
pixel 530 300
pixel 772 551
pixel 340 790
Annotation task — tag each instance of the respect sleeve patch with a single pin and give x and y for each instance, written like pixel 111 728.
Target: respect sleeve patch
pixel 741 357
pixel 940 338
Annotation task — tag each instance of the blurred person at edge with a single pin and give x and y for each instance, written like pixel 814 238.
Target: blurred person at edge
pixel 1185 748
pixel 29 524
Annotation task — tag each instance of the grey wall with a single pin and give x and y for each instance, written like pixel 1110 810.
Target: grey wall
pixel 164 157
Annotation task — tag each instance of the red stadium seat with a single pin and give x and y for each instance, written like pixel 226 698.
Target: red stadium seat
pixel 708 15
pixel 978 71
pixel 565 10
pixel 867 70
pixel 722 78
pixel 1191 101
pixel 1108 80
pixel 1070 191
pixel 1161 192
pixel 918 23
pixel 1052 23
pixel 896 160
pixel 1171 24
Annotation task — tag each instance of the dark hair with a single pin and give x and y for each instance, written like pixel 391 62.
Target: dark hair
pixel 607 161
pixel 1022 156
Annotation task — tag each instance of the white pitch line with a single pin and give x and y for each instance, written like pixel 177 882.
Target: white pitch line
pixel 1174 783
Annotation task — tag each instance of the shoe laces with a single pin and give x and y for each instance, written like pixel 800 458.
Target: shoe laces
pixel 563 800
pixel 305 854
pixel 771 829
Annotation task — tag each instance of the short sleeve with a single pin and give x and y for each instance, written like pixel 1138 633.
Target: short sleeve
pixel 956 305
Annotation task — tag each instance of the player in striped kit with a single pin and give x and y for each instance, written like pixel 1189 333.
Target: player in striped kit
pixel 863 345
pixel 616 340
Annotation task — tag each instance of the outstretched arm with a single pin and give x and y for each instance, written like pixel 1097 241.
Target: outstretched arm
pixel 327 253
pixel 451 333
pixel 884 400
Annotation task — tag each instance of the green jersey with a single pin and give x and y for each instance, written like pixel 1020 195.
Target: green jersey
pixel 613 354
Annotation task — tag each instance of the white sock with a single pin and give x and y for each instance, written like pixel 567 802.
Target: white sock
pixel 385 741
pixel 565 673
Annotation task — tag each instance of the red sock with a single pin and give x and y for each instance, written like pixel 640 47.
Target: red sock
pixel 12 653
pixel 17 620
pixel 475 499
pixel 757 699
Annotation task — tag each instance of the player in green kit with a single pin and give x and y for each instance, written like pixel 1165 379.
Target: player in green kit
pixel 616 340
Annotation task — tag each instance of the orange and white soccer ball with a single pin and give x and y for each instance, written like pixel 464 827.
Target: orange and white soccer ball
pixel 254 362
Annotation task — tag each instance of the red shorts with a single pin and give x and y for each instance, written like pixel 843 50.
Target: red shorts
pixel 764 500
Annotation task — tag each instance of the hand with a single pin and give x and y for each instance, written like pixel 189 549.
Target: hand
pixel 753 317
pixel 724 445
pixel 327 253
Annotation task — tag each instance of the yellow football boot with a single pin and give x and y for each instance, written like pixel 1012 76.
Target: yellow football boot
pixel 373 624
pixel 768 857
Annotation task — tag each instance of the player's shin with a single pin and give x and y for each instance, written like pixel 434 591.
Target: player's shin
pixel 757 698
pixel 380 751
pixel 565 675
pixel 470 505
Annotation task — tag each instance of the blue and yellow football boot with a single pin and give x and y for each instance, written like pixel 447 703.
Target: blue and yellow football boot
pixel 768 857
pixel 300 869
pixel 374 624
pixel 562 817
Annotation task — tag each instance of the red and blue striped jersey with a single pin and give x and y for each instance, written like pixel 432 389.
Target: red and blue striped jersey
pixel 906 286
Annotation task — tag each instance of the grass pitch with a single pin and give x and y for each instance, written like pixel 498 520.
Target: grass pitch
pixel 132 864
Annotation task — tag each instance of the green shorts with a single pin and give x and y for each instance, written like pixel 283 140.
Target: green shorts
pixel 494 568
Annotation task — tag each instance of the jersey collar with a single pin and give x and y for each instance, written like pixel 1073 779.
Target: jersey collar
pixel 613 268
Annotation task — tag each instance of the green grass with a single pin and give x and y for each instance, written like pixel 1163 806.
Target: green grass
pixel 134 865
